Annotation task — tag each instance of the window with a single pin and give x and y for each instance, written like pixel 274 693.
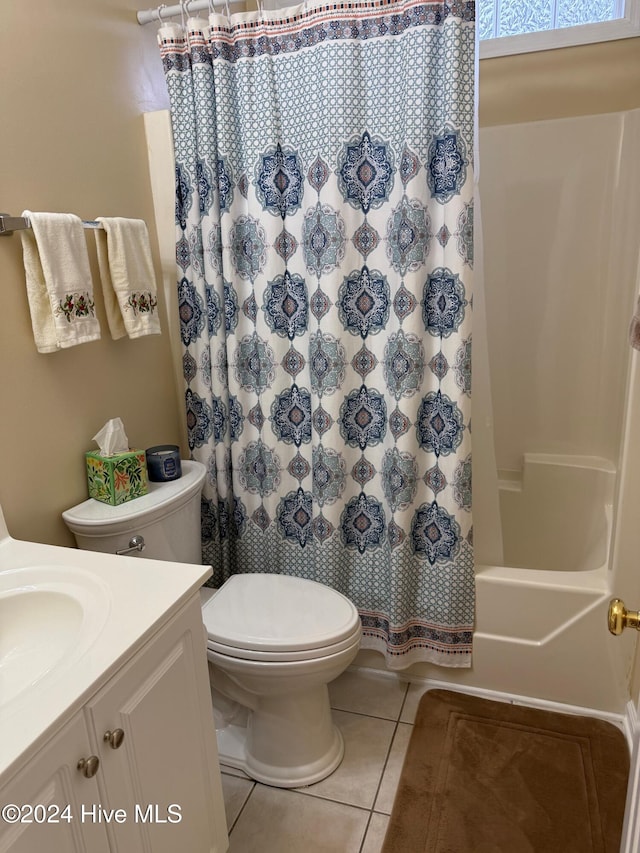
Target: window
pixel 520 26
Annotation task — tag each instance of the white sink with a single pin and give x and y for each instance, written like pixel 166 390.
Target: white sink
pixel 49 617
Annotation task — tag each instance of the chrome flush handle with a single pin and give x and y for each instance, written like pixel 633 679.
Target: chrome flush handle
pixel 136 543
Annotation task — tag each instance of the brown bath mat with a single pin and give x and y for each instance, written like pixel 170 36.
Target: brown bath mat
pixel 490 777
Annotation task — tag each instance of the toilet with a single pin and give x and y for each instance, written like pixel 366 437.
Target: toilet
pixel 274 642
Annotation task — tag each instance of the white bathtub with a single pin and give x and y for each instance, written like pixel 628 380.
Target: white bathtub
pixel 541 620
pixel 541 625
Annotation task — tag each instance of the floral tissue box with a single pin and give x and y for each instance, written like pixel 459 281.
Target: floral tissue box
pixel 116 479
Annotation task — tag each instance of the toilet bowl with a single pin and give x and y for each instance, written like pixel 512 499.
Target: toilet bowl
pixel 274 642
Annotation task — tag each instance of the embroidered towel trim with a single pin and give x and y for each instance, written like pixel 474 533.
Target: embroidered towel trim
pixel 59 285
pixel 128 280
pixel 634 328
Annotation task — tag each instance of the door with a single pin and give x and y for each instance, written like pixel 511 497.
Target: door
pixel 625 584
pixel 631 828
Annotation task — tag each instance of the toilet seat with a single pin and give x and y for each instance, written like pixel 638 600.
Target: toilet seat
pixel 284 657
pixel 279 618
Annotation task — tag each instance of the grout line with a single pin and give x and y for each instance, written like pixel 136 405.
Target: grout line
pixel 370 716
pixel 242 807
pixel 325 799
pixel 384 768
pixel 404 701
pixel 366 830
pixel 386 761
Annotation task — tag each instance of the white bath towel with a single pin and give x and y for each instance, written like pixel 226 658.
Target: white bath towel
pixel 128 280
pixel 59 285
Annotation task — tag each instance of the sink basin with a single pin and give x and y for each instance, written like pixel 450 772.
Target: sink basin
pixel 49 617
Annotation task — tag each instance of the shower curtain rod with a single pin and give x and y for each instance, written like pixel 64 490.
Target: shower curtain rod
pixel 163 11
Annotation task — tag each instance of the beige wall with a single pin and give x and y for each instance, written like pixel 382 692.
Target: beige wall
pixel 586 80
pixel 77 77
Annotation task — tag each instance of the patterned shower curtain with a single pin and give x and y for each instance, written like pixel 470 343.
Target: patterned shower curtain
pixel 324 207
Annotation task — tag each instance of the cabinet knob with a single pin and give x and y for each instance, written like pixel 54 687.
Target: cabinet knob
pixel 89 766
pixel 114 738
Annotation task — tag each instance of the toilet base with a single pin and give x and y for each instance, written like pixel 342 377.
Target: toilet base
pixel 284 742
pixel 232 753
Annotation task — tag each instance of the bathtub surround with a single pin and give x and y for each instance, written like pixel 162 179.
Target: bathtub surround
pixel 558 343
pixel 59 285
pixel 557 516
pixel 480 774
pixel 325 255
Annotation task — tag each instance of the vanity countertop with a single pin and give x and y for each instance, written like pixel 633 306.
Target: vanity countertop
pixel 98 608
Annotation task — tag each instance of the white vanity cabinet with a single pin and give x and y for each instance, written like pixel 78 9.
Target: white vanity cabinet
pixel 41 790
pixel 157 784
pixel 165 773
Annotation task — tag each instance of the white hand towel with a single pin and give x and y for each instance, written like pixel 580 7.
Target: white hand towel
pixel 128 280
pixel 634 328
pixel 59 286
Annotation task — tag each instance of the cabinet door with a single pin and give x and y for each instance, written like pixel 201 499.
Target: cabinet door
pixel 44 788
pixel 165 774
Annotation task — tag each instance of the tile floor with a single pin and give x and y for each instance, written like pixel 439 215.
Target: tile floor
pixel 347 812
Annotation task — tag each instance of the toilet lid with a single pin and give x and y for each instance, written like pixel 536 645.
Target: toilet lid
pixel 278 613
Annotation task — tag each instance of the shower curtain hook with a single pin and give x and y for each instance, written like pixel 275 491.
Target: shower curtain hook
pixel 183 17
pixel 159 11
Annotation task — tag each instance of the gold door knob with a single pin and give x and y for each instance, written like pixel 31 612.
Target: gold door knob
pixel 621 618
pixel 114 738
pixel 89 766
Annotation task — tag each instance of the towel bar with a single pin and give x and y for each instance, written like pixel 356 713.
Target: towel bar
pixel 9 224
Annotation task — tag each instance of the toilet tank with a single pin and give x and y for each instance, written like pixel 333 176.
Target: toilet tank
pixel 167 517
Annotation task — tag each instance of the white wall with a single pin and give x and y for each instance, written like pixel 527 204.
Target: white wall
pixel 561 222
